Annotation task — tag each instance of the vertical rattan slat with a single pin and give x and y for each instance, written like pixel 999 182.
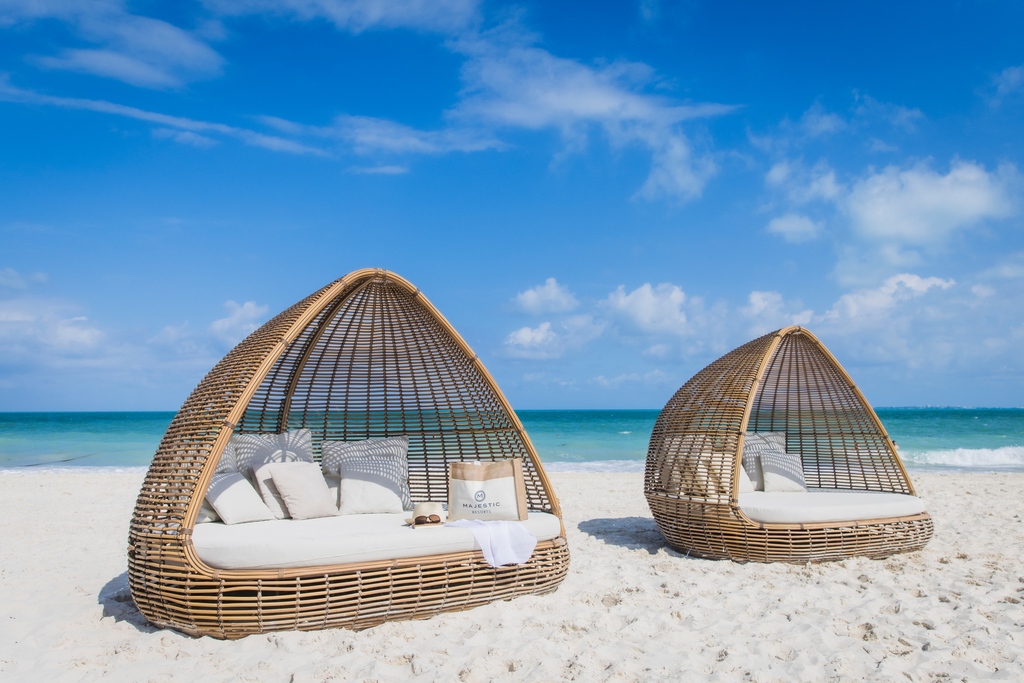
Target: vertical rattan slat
pixel 786 381
pixel 367 356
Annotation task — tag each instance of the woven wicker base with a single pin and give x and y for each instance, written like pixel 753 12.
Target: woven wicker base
pixel 722 533
pixel 234 605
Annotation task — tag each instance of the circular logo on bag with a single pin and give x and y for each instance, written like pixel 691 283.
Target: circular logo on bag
pixel 479 495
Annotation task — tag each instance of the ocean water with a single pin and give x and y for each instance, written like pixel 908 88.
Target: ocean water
pixel 960 439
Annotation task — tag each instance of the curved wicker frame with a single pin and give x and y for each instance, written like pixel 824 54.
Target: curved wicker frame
pixel 365 357
pixel 784 381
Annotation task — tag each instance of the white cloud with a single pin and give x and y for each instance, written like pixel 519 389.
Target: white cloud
pixel 510 82
pixel 549 297
pixel 387 169
pixel 652 309
pixel 919 206
pixel 445 16
pixel 11 93
pixel 869 110
pixel 137 50
pixel 653 377
pixel 1009 81
pixel 794 227
pixel 872 305
pixel 768 311
pixel 801 185
pixel 31 326
pixel 239 322
pixel 816 122
pixel 12 279
pixel 534 342
pixel 544 342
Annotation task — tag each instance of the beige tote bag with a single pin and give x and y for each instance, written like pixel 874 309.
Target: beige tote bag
pixel 487 490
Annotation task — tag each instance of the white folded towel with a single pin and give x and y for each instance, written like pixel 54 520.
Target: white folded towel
pixel 502 542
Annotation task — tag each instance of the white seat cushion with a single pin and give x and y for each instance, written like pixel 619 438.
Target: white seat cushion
pixel 344 539
pixel 826 505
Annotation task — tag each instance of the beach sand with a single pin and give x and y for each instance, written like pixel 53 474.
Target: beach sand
pixel 630 609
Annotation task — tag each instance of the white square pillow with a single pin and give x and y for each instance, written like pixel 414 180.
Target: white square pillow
pixel 264 478
pixel 783 472
pixel 252 450
pixel 304 490
pixel 371 472
pixel 235 500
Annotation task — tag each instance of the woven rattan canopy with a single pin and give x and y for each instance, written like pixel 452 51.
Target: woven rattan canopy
pixel 785 381
pixel 367 356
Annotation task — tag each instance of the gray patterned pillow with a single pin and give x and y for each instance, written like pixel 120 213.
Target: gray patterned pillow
pixel 754 445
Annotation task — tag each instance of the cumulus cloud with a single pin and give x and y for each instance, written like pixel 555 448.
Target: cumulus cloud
pixel 794 227
pixel 652 309
pixel 871 305
pixel 919 206
pixel 801 185
pixel 241 320
pixel 545 341
pixel 549 297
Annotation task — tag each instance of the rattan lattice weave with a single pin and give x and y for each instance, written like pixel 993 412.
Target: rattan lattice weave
pixel 785 381
pixel 365 357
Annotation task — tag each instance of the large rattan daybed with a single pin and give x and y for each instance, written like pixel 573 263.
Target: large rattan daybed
pixel 365 357
pixel 786 389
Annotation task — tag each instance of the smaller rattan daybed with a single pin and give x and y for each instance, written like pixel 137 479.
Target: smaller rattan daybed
pixel 366 357
pixel 786 392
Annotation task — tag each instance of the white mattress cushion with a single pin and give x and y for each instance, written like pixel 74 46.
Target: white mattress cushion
pixel 343 539
pixel 821 505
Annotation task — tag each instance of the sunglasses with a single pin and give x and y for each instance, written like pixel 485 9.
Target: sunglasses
pixel 432 519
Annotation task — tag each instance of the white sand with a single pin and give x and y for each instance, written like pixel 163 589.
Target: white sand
pixel 630 608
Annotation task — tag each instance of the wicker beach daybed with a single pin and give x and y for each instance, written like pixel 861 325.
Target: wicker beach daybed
pixel 832 484
pixel 366 357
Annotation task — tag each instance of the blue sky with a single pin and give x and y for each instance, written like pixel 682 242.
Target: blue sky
pixel 602 197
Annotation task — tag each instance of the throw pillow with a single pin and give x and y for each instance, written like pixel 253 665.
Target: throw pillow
pixel 235 500
pixel 303 489
pixel 252 450
pixel 374 474
pixel 783 472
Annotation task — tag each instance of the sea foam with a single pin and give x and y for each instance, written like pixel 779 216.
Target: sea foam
pixel 974 458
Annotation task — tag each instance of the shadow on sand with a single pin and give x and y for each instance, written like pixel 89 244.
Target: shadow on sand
pixel 117 602
pixel 634 533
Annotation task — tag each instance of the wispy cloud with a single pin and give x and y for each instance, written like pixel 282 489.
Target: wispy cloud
pixel 794 227
pixel 444 16
pixel 11 278
pixel 241 320
pixel 11 93
pixel 127 47
pixel 1009 81
pixel 512 82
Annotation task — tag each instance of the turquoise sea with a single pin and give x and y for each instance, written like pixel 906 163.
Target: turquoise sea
pixel 962 439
